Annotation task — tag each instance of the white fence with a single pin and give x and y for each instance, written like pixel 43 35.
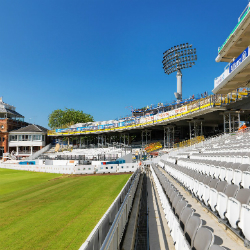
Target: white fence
pixel 70 167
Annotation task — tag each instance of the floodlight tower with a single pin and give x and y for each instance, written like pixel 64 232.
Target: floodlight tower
pixel 179 57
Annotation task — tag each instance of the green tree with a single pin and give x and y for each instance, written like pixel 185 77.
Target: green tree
pixel 64 118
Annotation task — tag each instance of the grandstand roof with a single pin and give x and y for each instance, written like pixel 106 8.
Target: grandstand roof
pixel 10 112
pixel 238 78
pixel 238 40
pixel 235 50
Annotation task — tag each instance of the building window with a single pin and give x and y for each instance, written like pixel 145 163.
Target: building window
pixel 43 138
pixel 36 137
pixel 13 137
pixel 2 127
pixel 24 138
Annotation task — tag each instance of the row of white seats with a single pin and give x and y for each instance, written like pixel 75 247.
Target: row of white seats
pixel 233 173
pixel 228 201
pixel 236 157
pixel 186 228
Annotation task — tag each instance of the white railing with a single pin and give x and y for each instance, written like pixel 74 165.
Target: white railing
pixel 38 153
pixel 97 240
pixel 244 11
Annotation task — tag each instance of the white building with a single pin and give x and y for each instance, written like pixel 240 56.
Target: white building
pixel 25 141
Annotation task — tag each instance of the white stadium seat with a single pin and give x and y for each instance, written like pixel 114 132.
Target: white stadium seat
pixel 222 201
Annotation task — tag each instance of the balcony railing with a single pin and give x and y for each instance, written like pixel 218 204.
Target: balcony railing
pixel 22 152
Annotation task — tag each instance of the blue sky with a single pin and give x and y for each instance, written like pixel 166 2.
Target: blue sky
pixel 104 56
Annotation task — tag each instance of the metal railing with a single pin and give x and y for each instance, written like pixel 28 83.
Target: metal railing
pixel 189 142
pixel 242 16
pixel 217 100
pixel 108 232
pixel 114 236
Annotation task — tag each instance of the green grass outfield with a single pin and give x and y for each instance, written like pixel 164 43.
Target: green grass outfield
pixel 52 211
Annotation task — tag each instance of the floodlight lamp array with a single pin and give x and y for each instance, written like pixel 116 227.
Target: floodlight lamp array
pixel 179 57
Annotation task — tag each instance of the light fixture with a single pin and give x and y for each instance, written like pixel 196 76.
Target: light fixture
pixel 176 58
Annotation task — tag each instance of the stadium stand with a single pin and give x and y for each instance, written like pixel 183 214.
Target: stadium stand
pixel 186 231
pixel 221 186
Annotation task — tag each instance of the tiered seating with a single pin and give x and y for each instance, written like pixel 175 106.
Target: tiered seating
pixel 221 186
pixel 229 147
pixel 236 173
pixel 185 227
pixel 90 152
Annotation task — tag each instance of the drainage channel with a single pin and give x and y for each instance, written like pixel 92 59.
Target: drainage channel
pixel 141 242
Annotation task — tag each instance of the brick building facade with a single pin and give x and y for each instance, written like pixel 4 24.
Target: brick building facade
pixel 9 120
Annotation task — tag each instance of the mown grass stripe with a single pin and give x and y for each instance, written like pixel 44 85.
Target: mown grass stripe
pixel 54 214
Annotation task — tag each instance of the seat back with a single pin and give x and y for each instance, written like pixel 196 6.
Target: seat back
pixel 193 224
pixel 221 187
pixel 185 215
pixel 228 164
pixel 201 178
pixel 213 183
pixel 204 239
pixel 179 207
pixel 176 201
pixel 244 167
pixel 231 190
pixel 235 165
pixel 172 196
pixel 171 189
pixel 243 196
pixel 207 180
pixel 222 163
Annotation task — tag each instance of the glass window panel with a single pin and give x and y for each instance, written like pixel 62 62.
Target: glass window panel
pixel 36 137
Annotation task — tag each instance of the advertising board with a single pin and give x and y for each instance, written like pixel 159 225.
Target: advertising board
pixel 220 78
pixel 238 60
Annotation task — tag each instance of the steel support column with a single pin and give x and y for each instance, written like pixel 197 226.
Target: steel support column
pixel 145 136
pixel 231 121
pixel 168 136
pixel 197 128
